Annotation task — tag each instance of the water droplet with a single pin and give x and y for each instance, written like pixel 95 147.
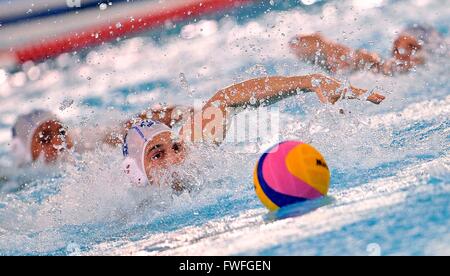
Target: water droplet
pixel 315 82
pixel 103 6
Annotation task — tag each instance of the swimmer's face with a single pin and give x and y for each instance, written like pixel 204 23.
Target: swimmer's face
pixel 406 48
pixel 50 139
pixel 161 153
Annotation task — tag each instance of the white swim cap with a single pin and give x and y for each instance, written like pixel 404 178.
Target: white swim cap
pixel 135 142
pixel 23 131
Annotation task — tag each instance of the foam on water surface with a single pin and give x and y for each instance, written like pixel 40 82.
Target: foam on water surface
pixel 390 163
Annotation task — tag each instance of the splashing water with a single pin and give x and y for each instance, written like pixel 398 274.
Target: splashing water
pixel 390 163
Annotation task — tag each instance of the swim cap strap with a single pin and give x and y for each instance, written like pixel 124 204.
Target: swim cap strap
pixel 140 133
pixel 133 171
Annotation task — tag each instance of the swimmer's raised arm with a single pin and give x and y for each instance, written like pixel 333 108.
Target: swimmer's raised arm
pixel 257 91
pixel 333 56
pixel 336 57
pixel 213 118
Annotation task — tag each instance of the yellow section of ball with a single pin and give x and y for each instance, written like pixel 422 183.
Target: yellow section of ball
pixel 307 163
pixel 260 193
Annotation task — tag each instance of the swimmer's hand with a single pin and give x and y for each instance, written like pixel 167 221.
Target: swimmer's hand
pixel 373 98
pixel 366 60
pixel 331 90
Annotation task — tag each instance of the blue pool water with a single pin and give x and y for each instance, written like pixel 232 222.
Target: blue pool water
pixel 390 187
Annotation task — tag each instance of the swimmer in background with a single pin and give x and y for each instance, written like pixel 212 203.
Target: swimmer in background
pixel 412 47
pixel 149 143
pixel 40 136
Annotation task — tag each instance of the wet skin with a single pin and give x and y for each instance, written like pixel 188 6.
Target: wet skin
pixel 406 52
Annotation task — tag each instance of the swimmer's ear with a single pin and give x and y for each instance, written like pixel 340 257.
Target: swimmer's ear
pixel 376 98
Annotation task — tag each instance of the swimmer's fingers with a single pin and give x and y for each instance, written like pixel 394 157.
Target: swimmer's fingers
pixel 356 93
pixel 376 98
pixel 373 98
pixel 330 90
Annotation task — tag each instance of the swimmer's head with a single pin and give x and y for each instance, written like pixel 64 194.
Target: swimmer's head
pixel 406 47
pixel 39 134
pixel 150 147
pixel 415 40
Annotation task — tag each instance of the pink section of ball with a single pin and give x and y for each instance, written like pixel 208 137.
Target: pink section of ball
pixel 278 177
